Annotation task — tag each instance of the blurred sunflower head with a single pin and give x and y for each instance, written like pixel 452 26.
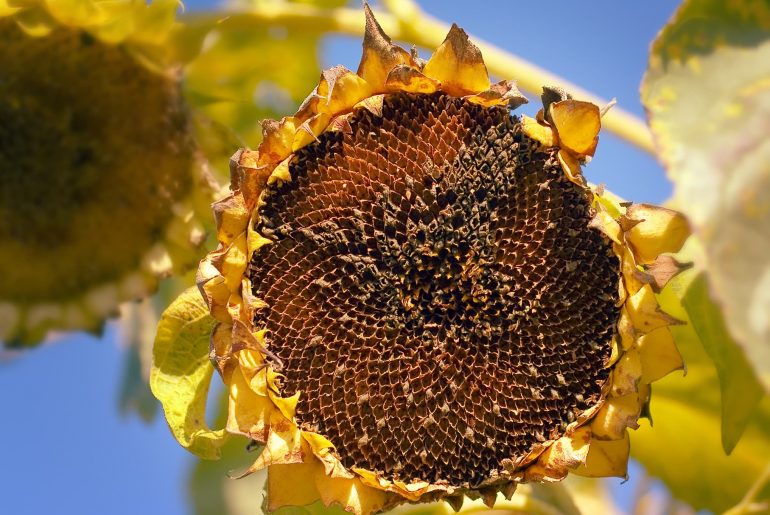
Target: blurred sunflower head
pixel 99 169
pixel 418 297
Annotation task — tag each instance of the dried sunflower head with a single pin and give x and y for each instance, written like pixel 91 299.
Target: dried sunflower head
pixel 99 170
pixel 418 297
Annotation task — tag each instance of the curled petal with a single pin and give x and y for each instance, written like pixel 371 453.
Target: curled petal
pixel 571 167
pixel 411 80
pixel 564 455
pixel 656 230
pixel 503 93
pixel 578 124
pixel 539 132
pixel 662 270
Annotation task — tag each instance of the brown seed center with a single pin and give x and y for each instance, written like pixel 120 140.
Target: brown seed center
pixel 434 291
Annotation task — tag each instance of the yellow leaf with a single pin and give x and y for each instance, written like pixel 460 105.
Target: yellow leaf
pixel 181 373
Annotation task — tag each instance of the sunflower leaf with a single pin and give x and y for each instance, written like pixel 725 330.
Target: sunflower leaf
pixel 248 69
pixel 213 491
pixel 684 447
pixel 707 95
pixel 181 373
pixel 740 389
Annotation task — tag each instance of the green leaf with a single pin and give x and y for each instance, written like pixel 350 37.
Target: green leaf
pixel 181 373
pixel 135 394
pixel 138 321
pixel 740 389
pixel 211 486
pixel 708 98
pixel 253 69
pixel 684 446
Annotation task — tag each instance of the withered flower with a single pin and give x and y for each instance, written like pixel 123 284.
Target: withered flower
pixel 99 171
pixel 419 298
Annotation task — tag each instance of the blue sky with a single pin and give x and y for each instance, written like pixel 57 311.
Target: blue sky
pixel 67 450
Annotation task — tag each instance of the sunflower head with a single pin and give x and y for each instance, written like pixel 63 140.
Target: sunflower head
pixel 99 170
pixel 418 297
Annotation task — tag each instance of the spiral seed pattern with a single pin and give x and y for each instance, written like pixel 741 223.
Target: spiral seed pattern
pixel 434 291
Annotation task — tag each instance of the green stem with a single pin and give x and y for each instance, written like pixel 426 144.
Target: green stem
pixel 749 504
pixel 407 22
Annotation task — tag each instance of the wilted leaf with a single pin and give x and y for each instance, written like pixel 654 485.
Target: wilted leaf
pixel 708 97
pixel 181 373
pixel 683 448
pixel 741 391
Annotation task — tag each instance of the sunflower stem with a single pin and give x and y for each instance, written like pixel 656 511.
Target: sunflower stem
pixel 749 504
pixel 407 22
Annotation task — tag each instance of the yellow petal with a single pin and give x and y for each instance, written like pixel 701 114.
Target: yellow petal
pixel 645 313
pixel 35 21
pixel 277 139
pixel 309 131
pixel 563 455
pixel 340 89
pixel 458 65
pixel 372 104
pixel 607 458
pixel 380 55
pixel 659 230
pixel 539 132
pixel 248 413
pixel 216 294
pixel 319 444
pixel 578 124
pixel 503 93
pixel 626 330
pixel 351 494
pixel 607 224
pixel 281 171
pixel 292 485
pixel 409 79
pixel 234 263
pixel 6 9
pixel 627 373
pixel 658 354
pixel 616 415
pixel 571 167
pixel 631 273
pixel 283 445
pixel 221 348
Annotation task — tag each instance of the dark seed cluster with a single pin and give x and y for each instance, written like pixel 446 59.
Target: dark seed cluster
pixel 434 291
